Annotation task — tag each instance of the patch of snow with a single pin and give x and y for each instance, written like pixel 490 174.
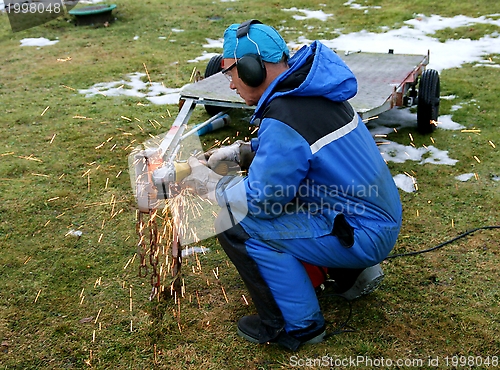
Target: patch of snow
pixel 155 92
pixel 214 43
pixel 399 153
pixel 448 97
pixel 352 4
pixel 482 64
pixel 391 151
pixel 415 37
pixel 40 41
pixel 464 177
pixel 445 122
pixel 204 56
pixel 308 14
pixel 405 182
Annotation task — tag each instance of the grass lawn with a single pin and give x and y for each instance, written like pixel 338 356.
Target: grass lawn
pixel 69 302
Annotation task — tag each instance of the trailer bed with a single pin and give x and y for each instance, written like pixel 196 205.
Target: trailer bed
pixel 383 81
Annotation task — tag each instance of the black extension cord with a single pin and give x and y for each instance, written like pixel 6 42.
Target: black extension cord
pixel 345 327
pixel 442 244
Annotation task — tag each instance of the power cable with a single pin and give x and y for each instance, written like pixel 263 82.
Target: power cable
pixel 344 327
pixel 444 243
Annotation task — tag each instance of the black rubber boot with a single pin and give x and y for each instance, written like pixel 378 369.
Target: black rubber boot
pixel 354 283
pixel 249 327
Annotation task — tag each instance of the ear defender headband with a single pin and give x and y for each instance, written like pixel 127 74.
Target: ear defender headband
pixel 251 68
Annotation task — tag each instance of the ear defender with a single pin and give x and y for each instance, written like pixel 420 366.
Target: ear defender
pixel 251 68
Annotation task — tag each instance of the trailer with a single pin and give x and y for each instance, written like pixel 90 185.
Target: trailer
pixel 385 81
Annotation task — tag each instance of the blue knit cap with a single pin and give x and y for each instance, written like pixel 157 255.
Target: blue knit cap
pixel 271 45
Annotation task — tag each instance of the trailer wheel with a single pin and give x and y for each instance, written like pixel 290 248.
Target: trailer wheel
pixel 214 66
pixel 428 101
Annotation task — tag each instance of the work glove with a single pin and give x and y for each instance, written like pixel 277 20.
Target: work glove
pixel 202 179
pixel 240 152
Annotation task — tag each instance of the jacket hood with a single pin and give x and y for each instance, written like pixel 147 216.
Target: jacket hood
pixel 315 70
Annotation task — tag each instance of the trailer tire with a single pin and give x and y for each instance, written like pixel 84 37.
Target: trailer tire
pixel 428 101
pixel 214 66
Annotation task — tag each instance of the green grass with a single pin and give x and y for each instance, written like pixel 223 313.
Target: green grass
pixel 472 32
pixel 65 301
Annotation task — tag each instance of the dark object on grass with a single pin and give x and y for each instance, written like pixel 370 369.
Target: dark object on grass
pixel 93 15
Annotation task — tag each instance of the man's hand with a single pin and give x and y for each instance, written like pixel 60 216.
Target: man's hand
pixel 239 152
pixel 202 179
pixel 229 153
